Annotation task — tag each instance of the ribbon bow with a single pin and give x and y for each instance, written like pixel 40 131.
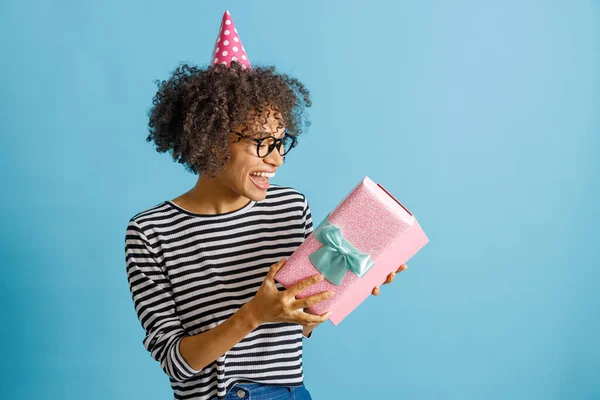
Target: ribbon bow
pixel 337 256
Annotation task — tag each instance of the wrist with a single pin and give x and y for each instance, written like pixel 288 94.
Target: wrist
pixel 307 330
pixel 250 315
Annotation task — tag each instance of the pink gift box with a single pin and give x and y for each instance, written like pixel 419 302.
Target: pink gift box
pixel 376 224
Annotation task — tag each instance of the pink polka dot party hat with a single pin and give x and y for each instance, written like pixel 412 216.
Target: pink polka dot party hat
pixel 228 46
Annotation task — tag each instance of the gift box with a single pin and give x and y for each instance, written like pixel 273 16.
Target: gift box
pixel 366 237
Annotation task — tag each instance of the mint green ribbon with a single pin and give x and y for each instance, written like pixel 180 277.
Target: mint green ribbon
pixel 337 256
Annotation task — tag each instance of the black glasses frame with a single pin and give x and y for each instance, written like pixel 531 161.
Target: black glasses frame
pixel 276 143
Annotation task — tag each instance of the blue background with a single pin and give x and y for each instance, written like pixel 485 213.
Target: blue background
pixel 481 117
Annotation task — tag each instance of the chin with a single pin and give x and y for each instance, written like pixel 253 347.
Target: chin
pixel 256 194
pixel 253 192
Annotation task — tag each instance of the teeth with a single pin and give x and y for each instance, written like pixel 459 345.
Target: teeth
pixel 267 174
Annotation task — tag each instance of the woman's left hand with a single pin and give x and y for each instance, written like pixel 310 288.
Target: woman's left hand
pixel 308 328
pixel 389 279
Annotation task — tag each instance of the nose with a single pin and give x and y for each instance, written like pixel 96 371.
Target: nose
pixel 274 158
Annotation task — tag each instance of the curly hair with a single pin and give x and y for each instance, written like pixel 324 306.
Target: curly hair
pixel 196 109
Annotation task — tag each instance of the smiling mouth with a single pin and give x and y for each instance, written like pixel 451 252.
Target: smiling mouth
pixel 262 182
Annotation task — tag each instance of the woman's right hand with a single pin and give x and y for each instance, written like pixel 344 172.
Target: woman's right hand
pixel 272 305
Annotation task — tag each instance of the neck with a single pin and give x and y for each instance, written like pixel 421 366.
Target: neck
pixel 210 196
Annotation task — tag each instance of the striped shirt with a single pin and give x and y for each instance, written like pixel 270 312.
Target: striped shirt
pixel 189 272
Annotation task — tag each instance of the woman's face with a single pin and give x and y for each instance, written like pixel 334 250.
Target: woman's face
pixel 244 160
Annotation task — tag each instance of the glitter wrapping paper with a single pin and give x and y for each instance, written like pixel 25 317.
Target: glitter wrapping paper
pixel 374 222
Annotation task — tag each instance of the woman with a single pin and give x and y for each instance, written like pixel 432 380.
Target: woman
pixel 200 266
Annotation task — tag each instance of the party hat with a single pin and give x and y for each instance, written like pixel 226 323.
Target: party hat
pixel 228 46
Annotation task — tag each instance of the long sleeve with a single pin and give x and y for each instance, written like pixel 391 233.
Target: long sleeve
pixel 307 219
pixel 152 297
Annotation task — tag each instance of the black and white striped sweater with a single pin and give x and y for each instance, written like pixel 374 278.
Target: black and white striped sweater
pixel 190 272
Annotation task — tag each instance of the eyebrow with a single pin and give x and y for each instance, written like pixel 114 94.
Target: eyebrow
pixel 266 134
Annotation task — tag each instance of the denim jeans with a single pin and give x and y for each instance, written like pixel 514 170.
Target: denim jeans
pixel 259 391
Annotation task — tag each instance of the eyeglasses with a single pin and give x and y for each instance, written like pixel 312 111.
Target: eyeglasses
pixel 265 145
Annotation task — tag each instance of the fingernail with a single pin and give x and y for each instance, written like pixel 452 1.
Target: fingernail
pixel 331 293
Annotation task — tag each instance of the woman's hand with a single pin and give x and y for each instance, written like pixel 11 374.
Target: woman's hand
pixel 389 279
pixel 272 305
pixel 309 327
